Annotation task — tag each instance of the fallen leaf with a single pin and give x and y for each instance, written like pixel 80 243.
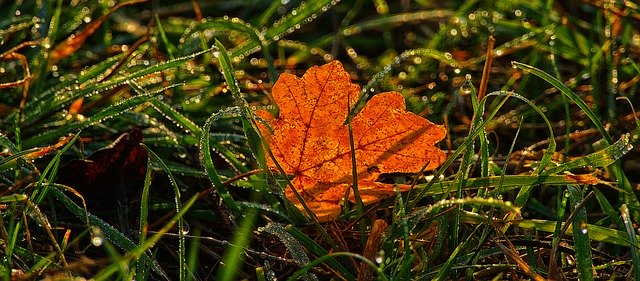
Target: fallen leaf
pixel 309 139
pixel 110 177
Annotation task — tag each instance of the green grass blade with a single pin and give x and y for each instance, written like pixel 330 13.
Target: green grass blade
pixel 207 162
pixel 317 250
pixel 570 94
pixel 298 274
pixel 580 235
pixel 141 266
pixel 182 265
pixel 109 232
pixel 232 257
pixel 163 36
pixel 35 111
pixel 141 250
pixel 176 117
pixel 293 245
pixel 633 240
pixel 107 113
pixel 602 158
pixel 606 207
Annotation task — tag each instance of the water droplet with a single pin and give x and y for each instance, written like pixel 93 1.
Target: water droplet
pixel 379 257
pixel 96 236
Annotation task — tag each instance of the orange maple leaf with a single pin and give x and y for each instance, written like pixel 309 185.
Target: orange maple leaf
pixel 311 142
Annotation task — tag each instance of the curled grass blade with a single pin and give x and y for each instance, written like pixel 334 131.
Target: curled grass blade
pixel 570 94
pixel 205 158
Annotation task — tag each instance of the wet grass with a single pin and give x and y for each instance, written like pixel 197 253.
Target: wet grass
pixel 540 181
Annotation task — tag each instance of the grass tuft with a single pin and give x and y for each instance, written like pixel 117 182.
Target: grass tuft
pixel 541 179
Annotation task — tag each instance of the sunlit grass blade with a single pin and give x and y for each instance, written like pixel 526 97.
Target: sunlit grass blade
pixel 431 210
pixel 107 113
pixel 179 119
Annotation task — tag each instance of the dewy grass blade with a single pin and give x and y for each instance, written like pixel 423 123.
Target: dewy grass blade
pixel 618 173
pixel 107 113
pixel 182 266
pixel 141 250
pixel 232 257
pixel 141 265
pixel 318 250
pixel 109 232
pixel 293 245
pixel 602 158
pixel 580 235
pixel 91 89
pixel 207 162
pixel 633 240
pixel 175 116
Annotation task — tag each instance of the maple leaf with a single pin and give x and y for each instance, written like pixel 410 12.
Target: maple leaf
pixel 309 139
